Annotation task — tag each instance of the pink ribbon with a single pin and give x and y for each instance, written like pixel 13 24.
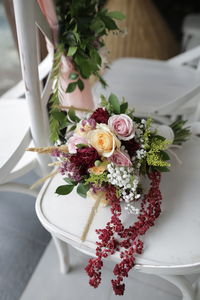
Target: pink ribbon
pixel 80 99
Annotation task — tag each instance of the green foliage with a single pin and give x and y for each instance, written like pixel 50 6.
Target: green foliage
pixel 80 146
pixel 64 189
pixel 181 133
pixel 82 189
pixel 98 180
pixel 72 115
pixel 80 84
pixel 54 119
pixel 70 181
pixel 82 24
pixel 71 87
pixel 156 156
pixel 116 15
pixel 123 107
pixel 72 50
pixel 147 133
pixel 60 120
pixel 114 104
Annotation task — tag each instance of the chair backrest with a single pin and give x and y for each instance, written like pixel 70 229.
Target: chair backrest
pixel 185 59
pixel 28 19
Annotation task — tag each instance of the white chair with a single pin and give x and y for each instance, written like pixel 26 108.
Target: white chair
pixel 170 253
pixel 153 86
pixel 191 31
pixel 25 121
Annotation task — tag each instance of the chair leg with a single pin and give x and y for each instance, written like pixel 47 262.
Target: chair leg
pixel 63 255
pixel 182 284
pixel 197 289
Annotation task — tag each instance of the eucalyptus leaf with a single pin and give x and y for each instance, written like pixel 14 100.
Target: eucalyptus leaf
pixel 72 128
pixel 164 155
pixel 97 25
pixel 58 115
pixel 80 85
pixel 79 146
pixel 113 100
pixel 82 190
pixel 109 23
pixel 72 51
pixel 116 15
pixel 64 189
pixel 72 115
pixel 162 169
pixel 70 181
pixel 71 87
pixel 123 107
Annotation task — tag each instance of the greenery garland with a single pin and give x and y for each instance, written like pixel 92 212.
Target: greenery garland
pixel 82 25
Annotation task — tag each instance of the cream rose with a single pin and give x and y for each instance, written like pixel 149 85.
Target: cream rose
pixel 103 140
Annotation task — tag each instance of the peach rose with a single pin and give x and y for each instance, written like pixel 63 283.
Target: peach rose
pixel 103 140
pixel 97 170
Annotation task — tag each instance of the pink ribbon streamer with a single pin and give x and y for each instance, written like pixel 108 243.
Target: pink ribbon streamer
pixel 80 99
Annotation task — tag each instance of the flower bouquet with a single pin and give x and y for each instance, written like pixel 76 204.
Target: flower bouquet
pixel 105 156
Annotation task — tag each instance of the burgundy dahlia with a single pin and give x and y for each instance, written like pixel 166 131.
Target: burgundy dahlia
pixel 131 146
pixel 85 157
pixel 100 115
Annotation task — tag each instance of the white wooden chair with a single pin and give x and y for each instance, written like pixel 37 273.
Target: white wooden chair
pixel 191 31
pixel 170 252
pixel 25 121
pixel 153 86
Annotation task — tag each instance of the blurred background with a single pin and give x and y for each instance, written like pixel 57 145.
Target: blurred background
pixel 153 29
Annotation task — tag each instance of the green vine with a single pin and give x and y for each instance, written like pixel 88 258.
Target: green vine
pixel 82 25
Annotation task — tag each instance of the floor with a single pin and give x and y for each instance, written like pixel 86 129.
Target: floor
pixel 47 283
pixel 22 241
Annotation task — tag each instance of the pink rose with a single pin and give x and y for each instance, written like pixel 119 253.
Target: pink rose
pixel 75 140
pixel 122 126
pixel 120 158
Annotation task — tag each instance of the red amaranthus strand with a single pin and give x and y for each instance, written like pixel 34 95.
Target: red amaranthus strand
pixel 129 237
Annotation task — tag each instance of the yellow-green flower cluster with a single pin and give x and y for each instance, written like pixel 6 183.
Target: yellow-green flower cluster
pixel 154 157
pixel 97 179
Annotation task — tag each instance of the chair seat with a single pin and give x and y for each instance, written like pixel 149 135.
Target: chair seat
pixel 174 241
pixel 147 84
pixel 15 136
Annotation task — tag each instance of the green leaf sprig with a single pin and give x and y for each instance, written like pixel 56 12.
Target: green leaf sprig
pixel 82 25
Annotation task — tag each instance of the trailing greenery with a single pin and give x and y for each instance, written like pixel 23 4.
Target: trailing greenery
pixel 82 25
